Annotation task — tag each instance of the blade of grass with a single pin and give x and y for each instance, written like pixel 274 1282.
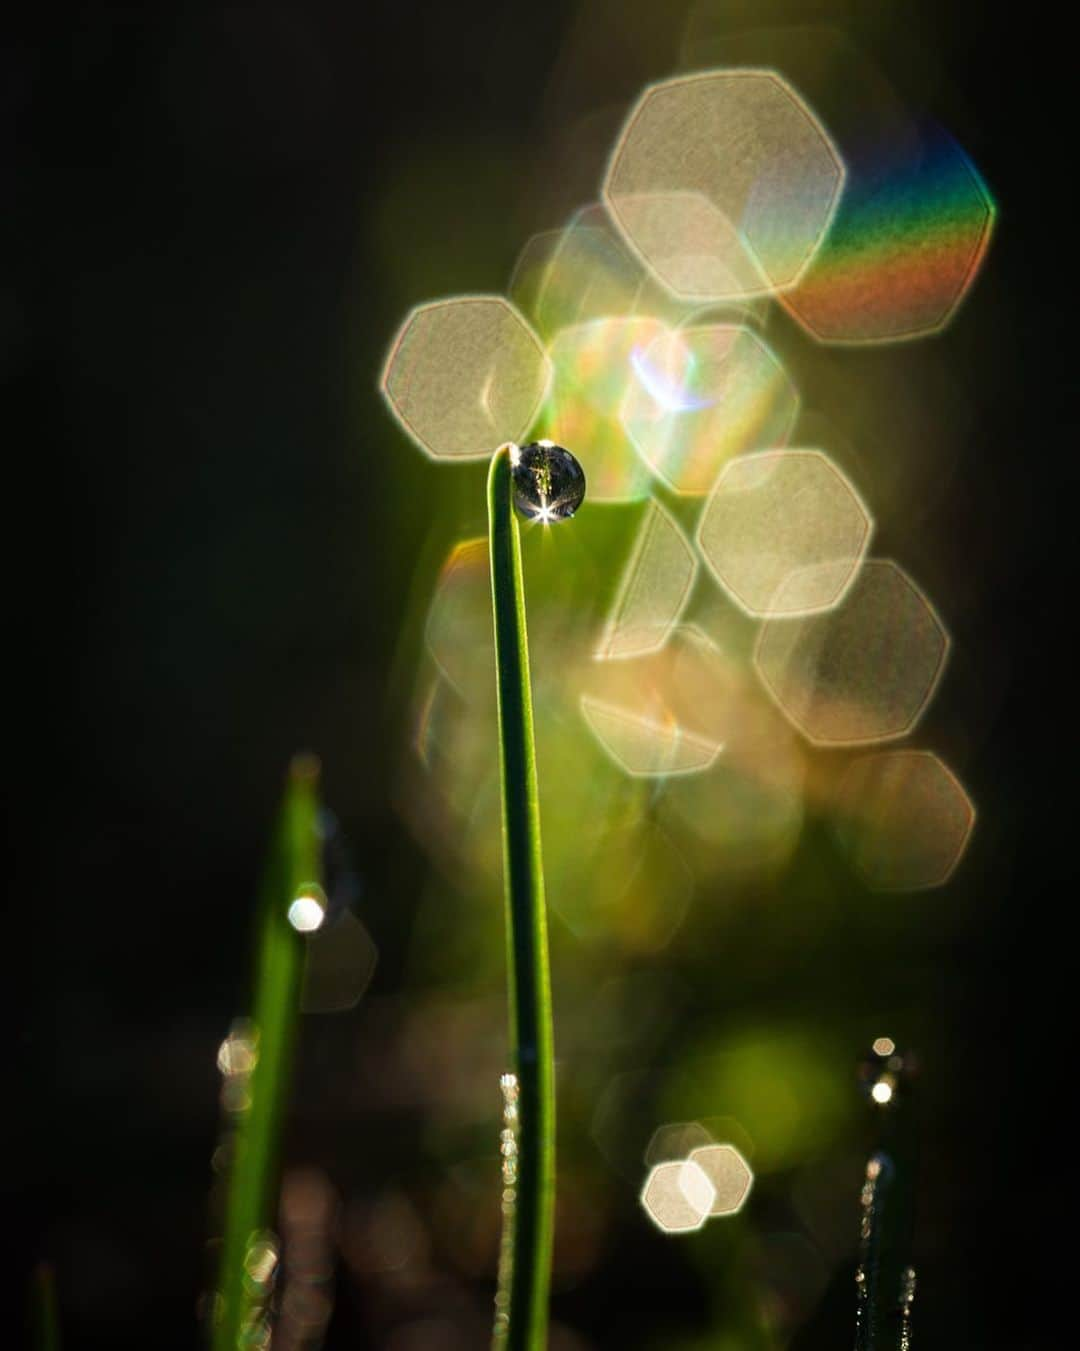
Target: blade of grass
pixel 279 955
pixel 44 1310
pixel 885 1278
pixel 529 1276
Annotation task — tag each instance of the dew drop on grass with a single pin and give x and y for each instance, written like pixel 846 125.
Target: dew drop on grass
pixel 549 484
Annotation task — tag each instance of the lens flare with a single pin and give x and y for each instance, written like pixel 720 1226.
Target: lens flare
pixel 712 392
pixel 465 375
pixel 593 368
pixel 905 248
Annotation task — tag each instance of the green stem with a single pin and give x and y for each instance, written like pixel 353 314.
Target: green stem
pixel 526 930
pixel 886 1279
pixel 249 1208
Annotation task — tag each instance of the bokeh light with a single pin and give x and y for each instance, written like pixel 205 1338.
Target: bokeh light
pixel 904 820
pixel 583 272
pixel 677 1197
pixel 654 589
pixel 702 396
pixel 862 672
pixel 729 1174
pixel 780 513
pixel 458 631
pixel 593 368
pixel 341 959
pixel 658 714
pixel 724 183
pixel 465 375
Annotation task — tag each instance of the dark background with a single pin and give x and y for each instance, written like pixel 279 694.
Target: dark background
pixel 209 556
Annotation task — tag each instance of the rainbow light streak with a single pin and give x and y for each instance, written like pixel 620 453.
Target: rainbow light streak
pixel 670 396
pixel 904 250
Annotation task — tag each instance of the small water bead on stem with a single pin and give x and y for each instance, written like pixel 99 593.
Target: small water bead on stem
pixel 549 483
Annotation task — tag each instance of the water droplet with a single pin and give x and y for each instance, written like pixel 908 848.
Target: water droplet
pixel 885 1072
pixel 549 484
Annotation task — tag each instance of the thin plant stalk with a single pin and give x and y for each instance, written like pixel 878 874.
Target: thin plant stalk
pixel 279 955
pixel 529 1275
pixel 885 1279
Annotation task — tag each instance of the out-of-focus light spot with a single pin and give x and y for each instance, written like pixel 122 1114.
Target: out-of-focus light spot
pixel 724 394
pixel 781 1087
pixel 863 672
pixel 458 630
pixel 724 183
pixel 584 271
pixel 654 589
pixel 465 375
pixel 239 1052
pixel 677 1197
pixel 675 1141
pixel 627 888
pixel 261 1260
pixel 661 714
pixel 646 748
pixel 341 960
pixel 729 1174
pixel 386 1234
pixel 593 368
pixel 883 1046
pixel 904 820
pixel 307 912
pixel 882 1091
pixel 742 818
pixel 779 513
pixel 907 243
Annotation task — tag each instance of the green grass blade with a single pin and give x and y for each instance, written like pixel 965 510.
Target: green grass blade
pixel 529 1276
pixel 886 1279
pixel 279 956
pixel 44 1310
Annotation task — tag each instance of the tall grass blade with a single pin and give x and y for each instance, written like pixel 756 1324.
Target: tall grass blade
pixel 279 954
pixel 522 1324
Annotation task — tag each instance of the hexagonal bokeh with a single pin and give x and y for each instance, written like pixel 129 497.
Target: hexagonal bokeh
pixel 677 1196
pixel 464 375
pixel 674 1141
pixel 904 820
pixel 592 367
pixel 782 512
pixel 663 713
pixel 582 272
pixel 458 632
pixel 703 395
pixel 729 1174
pixel 905 247
pixel 340 963
pixel 862 672
pixel 724 183
pixel 654 589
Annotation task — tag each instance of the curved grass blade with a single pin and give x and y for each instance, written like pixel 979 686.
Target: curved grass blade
pixel 293 864
pixel 885 1280
pixel 521 1324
